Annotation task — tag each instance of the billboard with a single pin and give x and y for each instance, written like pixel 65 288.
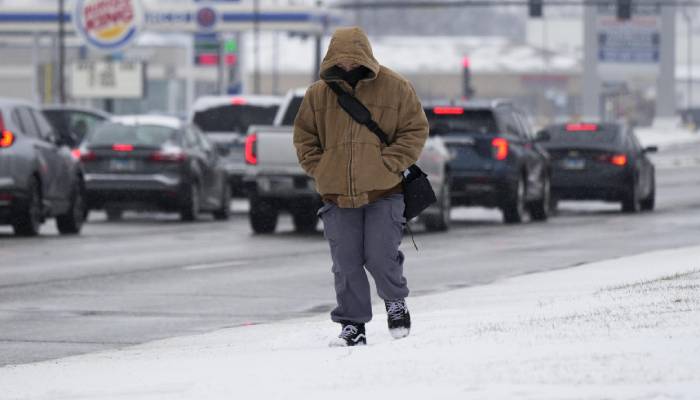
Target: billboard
pixel 113 80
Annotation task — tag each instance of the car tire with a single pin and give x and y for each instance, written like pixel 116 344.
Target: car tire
pixel 30 215
pixel 514 207
pixel 224 213
pixel 440 222
pixel 648 203
pixel 72 221
pixel 305 220
pixel 114 214
pixel 263 215
pixel 539 210
pixel 190 205
pixel 631 203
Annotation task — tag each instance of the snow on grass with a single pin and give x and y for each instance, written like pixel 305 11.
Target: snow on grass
pixel 620 329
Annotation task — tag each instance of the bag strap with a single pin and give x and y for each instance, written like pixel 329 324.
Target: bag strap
pixel 358 111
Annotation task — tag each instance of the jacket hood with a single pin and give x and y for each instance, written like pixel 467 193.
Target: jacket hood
pixel 348 44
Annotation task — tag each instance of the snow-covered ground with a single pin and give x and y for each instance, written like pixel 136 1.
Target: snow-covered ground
pixel 666 132
pixel 621 329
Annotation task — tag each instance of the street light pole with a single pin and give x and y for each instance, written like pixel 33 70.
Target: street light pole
pixel 61 53
pixel 689 25
pixel 256 46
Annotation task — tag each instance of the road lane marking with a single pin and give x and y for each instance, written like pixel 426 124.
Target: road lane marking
pixel 223 264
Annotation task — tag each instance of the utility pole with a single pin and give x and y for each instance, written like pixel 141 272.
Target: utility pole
pixel 689 26
pixel 61 53
pixel 256 46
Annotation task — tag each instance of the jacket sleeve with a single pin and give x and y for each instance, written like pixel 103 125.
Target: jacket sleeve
pixel 306 139
pixel 411 133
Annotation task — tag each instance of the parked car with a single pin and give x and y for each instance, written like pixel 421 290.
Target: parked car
pixel 225 121
pixel 495 160
pixel 592 161
pixel 38 177
pixel 72 123
pixel 153 162
pixel 275 182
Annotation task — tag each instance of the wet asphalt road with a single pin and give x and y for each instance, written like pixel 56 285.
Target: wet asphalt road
pixel 150 276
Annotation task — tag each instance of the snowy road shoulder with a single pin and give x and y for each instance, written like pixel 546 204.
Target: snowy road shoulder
pixel 621 329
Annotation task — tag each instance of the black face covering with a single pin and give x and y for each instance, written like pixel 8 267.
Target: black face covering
pixel 355 75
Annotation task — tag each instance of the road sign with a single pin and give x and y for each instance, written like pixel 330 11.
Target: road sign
pixel 633 41
pixel 114 80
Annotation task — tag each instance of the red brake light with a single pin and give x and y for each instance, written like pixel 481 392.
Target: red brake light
pixel 500 148
pixel 251 156
pixel 6 139
pixel 75 153
pixel 84 155
pixel 123 147
pixel 448 110
pixel 619 160
pixel 582 127
pixel 238 101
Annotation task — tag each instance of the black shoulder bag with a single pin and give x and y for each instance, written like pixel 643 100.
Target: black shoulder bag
pixel 417 192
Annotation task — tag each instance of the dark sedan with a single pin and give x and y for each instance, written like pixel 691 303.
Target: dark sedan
pixel 605 161
pixel 153 163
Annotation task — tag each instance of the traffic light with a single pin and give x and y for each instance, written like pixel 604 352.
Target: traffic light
pixel 467 90
pixel 535 8
pixel 624 9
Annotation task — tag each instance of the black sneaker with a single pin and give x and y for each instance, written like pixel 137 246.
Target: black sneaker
pixel 353 334
pixel 398 317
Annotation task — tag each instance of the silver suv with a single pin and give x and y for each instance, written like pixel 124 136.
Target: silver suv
pixel 39 178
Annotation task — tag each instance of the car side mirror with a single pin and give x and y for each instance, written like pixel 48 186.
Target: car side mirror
pixel 651 149
pixel 543 136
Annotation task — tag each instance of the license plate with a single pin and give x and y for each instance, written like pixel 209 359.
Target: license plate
pixel 573 163
pixel 121 165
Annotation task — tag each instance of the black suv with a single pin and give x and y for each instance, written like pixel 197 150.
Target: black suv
pixel 38 176
pixel 495 160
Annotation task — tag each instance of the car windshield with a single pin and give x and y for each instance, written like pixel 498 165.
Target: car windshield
pixel 234 118
pixel 584 133
pixel 457 120
pixel 138 135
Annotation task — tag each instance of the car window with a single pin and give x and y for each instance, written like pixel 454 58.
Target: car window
pixel 27 123
pixel 45 129
pixel 584 133
pixel 234 118
pixel 634 141
pixel 81 123
pixel 457 120
pixel 292 110
pixel 525 125
pixel 203 141
pixel 510 122
pixel 191 138
pixel 111 133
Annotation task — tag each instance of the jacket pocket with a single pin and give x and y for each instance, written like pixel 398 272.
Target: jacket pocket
pixel 369 170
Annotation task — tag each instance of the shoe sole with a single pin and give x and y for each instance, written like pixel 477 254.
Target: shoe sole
pixel 399 333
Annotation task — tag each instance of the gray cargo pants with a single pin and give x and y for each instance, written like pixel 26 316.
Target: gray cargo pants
pixel 365 237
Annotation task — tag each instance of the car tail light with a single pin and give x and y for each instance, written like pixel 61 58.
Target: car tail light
pixel 7 138
pixel 238 101
pixel 619 159
pixel 169 155
pixel 123 147
pixel 581 127
pixel 251 149
pixel 448 110
pixel 84 155
pixel 500 148
pixel 75 153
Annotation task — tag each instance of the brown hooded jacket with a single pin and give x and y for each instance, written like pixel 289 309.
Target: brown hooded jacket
pixel 348 161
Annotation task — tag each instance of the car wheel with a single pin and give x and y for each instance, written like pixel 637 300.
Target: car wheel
pixel 31 214
pixel 539 210
pixel 71 222
pixel 648 203
pixel 440 222
pixel 263 215
pixel 190 206
pixel 631 202
pixel 514 207
pixel 223 213
pixel 114 214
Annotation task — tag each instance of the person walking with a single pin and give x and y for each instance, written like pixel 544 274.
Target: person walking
pixel 360 179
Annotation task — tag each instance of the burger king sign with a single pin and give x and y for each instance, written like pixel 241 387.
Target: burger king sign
pixel 108 25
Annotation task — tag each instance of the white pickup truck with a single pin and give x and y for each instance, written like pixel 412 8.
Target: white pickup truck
pixel 275 182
